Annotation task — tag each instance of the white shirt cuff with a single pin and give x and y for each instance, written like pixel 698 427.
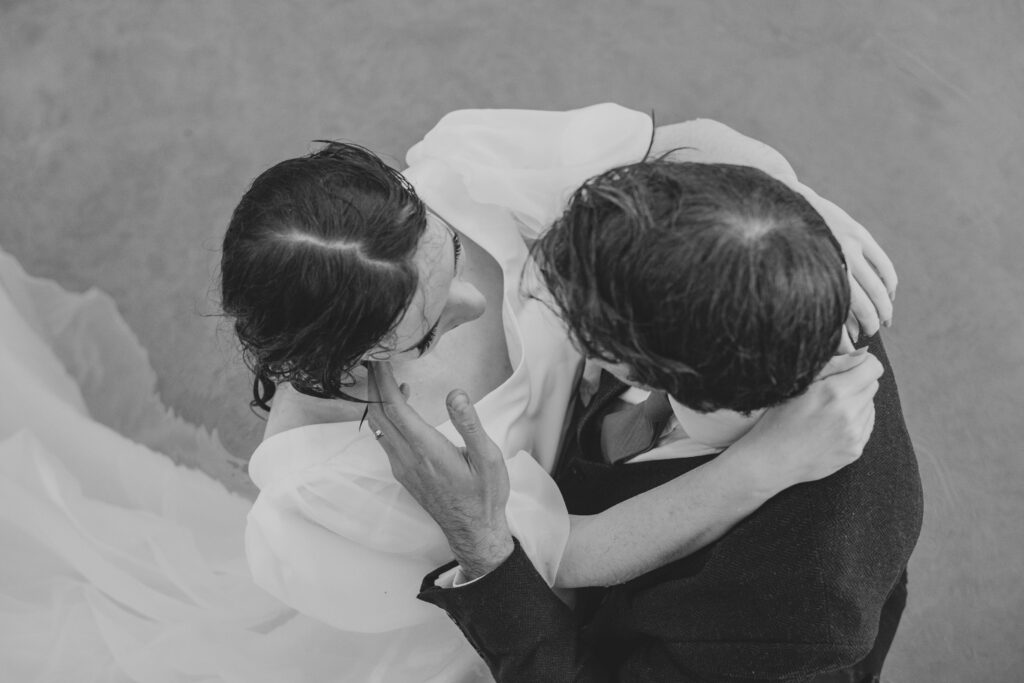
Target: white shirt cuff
pixel 454 578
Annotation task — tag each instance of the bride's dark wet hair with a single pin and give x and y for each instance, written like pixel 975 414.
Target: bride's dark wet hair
pixel 317 267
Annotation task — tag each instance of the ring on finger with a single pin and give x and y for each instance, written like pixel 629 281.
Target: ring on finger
pixel 377 434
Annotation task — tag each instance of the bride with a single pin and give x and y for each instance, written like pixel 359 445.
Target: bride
pixel 120 566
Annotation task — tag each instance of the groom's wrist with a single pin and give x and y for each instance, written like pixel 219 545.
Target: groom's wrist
pixel 482 552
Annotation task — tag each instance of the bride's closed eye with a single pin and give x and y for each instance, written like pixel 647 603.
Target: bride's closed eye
pixel 456 240
pixel 425 343
pixel 457 247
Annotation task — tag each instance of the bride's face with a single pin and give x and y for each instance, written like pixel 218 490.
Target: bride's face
pixel 443 300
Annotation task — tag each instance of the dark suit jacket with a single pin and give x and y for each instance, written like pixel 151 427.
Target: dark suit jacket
pixel 794 590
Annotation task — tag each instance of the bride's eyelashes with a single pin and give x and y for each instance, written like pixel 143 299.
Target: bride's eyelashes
pixel 457 247
pixel 422 347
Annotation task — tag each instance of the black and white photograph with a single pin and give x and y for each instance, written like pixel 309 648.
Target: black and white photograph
pixel 508 341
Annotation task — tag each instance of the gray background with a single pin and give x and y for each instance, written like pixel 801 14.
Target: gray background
pixel 128 130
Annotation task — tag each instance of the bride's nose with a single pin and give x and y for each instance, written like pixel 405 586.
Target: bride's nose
pixel 465 303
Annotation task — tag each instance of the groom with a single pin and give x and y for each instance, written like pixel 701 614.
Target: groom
pixel 724 291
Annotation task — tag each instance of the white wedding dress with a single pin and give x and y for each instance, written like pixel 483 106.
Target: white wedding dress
pixel 119 565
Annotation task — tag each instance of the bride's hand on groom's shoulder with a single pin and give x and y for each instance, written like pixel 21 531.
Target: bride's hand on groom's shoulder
pixel 465 490
pixel 872 283
pixel 819 432
pixel 873 279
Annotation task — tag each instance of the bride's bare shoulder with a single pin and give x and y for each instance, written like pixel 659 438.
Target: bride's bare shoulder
pixel 291 410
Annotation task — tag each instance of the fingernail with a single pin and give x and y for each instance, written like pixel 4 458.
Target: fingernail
pixel 892 295
pixel 860 352
pixel 459 401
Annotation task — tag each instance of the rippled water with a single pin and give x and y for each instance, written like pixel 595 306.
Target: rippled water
pixel 128 129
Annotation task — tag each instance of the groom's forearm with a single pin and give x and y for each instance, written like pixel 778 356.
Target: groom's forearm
pixel 524 632
pixel 521 629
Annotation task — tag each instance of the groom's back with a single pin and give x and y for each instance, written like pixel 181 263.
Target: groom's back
pixel 796 588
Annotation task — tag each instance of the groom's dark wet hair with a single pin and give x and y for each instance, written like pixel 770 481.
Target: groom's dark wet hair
pixel 716 283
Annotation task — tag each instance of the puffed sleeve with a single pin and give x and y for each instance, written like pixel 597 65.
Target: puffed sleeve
pixel 531 161
pixel 342 541
pixel 708 141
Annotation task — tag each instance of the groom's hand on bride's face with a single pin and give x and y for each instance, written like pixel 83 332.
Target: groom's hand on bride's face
pixel 464 489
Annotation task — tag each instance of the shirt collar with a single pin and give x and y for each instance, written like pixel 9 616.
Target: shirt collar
pixel 720 428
